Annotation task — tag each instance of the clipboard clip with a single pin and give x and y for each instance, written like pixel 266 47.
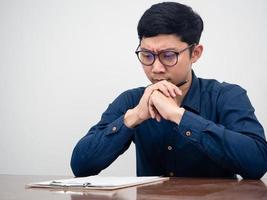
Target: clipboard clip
pixel 62 184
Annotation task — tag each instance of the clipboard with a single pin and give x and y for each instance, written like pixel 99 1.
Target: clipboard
pixel 97 182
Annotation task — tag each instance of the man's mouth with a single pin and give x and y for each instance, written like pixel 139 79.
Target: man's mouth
pixel 158 80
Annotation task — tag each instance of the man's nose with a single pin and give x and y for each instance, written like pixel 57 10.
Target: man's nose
pixel 158 67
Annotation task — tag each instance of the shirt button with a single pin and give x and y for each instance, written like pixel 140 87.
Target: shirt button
pixel 114 128
pixel 171 174
pixel 188 133
pixel 169 148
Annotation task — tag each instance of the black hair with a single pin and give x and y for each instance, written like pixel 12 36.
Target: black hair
pixel 171 18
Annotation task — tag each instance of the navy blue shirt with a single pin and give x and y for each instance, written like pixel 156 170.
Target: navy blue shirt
pixel 218 136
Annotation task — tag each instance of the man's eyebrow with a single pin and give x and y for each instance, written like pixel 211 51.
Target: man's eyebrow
pixel 145 49
pixel 167 49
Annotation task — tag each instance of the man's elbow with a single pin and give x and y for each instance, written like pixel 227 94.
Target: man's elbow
pixel 256 172
pixel 81 167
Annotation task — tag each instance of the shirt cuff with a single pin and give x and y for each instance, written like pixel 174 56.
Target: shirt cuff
pixel 192 126
pixel 118 127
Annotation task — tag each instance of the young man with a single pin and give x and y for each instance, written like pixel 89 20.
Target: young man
pixel 181 125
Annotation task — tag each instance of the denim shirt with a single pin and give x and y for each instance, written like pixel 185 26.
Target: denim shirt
pixel 218 136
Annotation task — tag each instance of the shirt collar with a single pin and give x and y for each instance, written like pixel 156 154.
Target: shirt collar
pixel 191 101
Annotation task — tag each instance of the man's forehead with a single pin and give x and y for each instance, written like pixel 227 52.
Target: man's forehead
pixel 161 42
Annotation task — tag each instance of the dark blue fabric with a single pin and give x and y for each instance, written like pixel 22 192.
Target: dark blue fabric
pixel 218 136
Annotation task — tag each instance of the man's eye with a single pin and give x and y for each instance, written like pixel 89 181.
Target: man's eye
pixel 169 55
pixel 147 55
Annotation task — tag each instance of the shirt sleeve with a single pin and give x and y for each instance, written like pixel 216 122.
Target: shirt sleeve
pixel 237 142
pixel 104 142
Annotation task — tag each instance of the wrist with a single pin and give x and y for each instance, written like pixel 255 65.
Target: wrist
pixel 131 118
pixel 177 117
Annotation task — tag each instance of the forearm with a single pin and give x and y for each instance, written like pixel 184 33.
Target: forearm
pixel 243 153
pixel 100 147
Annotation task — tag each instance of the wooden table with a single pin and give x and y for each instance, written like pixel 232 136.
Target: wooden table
pixel 13 187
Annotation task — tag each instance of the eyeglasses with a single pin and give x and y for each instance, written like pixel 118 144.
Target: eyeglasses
pixel 168 58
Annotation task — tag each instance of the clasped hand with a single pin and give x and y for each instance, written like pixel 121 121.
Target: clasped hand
pixel 161 100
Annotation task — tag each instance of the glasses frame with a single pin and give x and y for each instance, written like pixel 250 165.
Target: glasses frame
pixel 156 55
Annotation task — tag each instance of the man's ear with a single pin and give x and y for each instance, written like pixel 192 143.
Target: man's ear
pixel 196 53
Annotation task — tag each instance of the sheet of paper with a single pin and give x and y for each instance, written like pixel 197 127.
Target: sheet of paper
pixel 98 182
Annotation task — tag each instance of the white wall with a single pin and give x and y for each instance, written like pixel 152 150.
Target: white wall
pixel 62 62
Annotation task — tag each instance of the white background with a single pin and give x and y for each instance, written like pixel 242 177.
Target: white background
pixel 63 61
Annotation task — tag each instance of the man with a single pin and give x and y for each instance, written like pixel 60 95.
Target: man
pixel 181 125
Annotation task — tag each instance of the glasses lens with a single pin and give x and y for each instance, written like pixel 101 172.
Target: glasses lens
pixel 145 57
pixel 168 58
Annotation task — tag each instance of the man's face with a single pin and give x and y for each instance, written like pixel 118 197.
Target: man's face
pixel 157 71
